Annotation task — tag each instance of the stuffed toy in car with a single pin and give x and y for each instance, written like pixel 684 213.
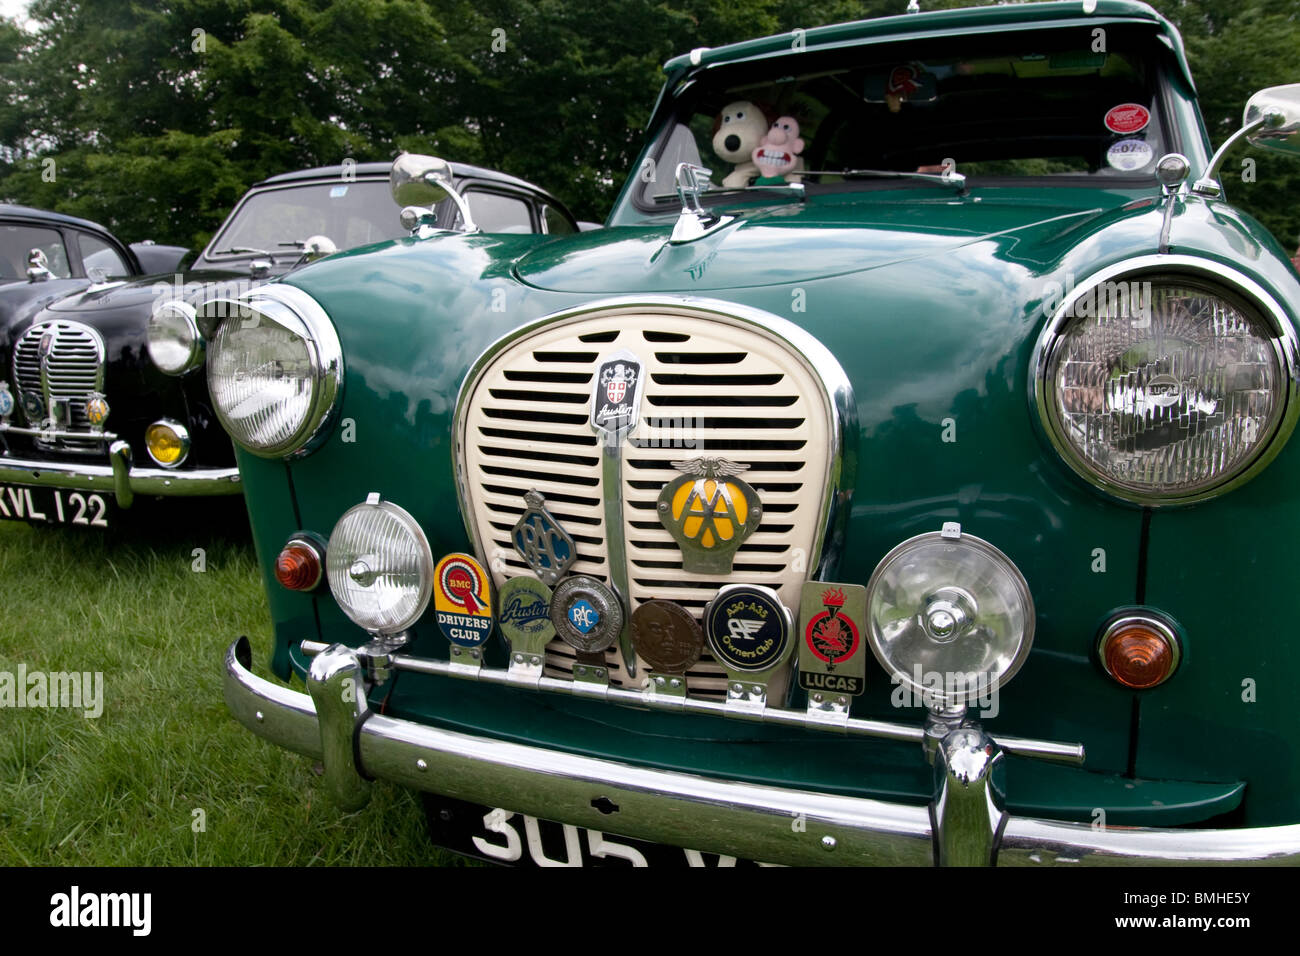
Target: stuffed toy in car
pixel 739 128
pixel 777 156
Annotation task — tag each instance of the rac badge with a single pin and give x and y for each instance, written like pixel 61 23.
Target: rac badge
pixel 541 542
pixel 462 600
pixel 709 512
pixel 831 656
pixel 586 613
pixel 616 395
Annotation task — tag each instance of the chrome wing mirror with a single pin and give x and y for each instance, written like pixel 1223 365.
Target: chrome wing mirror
pixel 1271 121
pixel 418 183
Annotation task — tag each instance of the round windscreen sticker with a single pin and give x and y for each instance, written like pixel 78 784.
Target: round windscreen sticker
pixel 1127 118
pixel 1129 154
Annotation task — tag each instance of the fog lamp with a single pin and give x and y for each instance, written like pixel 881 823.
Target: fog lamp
pixel 380 567
pixel 300 564
pixel 950 617
pixel 1139 650
pixel 167 442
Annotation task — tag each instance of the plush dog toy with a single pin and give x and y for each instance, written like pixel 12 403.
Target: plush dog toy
pixel 777 156
pixel 737 130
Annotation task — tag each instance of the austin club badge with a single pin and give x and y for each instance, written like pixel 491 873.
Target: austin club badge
pixel 616 394
pixel 541 542
pixel 667 638
pixel 709 512
pixel 748 630
pixel 832 659
pixel 462 602
pixel 586 613
pixel 525 617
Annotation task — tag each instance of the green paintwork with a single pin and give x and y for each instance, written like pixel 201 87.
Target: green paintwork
pixel 932 302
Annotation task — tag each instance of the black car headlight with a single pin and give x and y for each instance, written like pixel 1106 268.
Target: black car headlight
pixel 275 369
pixel 1169 383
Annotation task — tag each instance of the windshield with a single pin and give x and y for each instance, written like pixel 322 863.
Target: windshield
pixel 273 220
pixel 1058 104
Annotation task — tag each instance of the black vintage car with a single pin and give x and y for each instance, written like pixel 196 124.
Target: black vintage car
pixel 101 391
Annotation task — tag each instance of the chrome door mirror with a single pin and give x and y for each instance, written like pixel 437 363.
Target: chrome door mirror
pixel 1281 134
pixel 418 183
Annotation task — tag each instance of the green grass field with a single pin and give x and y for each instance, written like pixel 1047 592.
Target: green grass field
pixel 123 788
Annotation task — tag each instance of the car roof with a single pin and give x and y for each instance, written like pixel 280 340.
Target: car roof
pixel 377 170
pixel 13 211
pixel 955 22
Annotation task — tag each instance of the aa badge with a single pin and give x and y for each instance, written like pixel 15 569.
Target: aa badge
pixel 586 613
pixel 616 394
pixel 462 600
pixel 709 512
pixel 832 661
pixel 525 618
pixel 667 638
pixel 541 542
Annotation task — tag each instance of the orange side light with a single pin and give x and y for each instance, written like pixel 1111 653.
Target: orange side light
pixel 1139 656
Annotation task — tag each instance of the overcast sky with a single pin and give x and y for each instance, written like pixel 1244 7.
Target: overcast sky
pixel 13 8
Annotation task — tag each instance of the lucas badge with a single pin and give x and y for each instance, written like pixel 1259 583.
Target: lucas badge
pixel 616 394
pixel 832 662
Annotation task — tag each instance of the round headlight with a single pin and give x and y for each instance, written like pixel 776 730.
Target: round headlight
pixel 950 616
pixel 175 344
pixel 380 567
pixel 274 369
pixel 1165 387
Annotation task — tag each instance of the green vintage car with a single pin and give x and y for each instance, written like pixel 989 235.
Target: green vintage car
pixel 899 476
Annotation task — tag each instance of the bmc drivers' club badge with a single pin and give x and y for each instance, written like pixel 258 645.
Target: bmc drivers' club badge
pixel 541 542
pixel 616 394
pixel 748 630
pixel 709 512
pixel 462 600
pixel 667 637
pixel 525 618
pixel 831 655
pixel 586 613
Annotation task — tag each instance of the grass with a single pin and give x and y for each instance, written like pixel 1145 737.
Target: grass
pixel 121 789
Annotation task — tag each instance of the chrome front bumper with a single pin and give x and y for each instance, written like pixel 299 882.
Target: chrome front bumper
pixel 775 825
pixel 120 477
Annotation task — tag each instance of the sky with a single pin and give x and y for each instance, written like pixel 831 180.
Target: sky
pixel 13 9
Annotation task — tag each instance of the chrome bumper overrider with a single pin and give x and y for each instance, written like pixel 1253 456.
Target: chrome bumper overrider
pixel 964 824
pixel 120 477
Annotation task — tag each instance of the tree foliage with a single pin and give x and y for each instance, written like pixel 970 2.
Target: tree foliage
pixel 158 116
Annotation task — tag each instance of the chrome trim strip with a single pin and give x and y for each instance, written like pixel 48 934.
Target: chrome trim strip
pixel 1286 344
pixel 325 351
pixel 144 481
pixel 55 433
pixel 842 407
pixel 681 809
pixel 649 698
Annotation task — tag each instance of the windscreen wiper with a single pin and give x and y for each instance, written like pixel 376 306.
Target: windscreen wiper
pixel 950 178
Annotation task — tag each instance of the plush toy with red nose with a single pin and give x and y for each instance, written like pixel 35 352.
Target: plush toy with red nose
pixel 777 156
pixel 736 131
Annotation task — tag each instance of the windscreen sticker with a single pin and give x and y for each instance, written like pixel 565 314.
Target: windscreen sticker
pixel 338 192
pixel 1129 155
pixel 1127 118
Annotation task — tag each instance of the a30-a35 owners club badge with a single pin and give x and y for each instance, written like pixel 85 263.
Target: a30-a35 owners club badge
pixel 709 512
pixel 616 394
pixel 748 630
pixel 525 618
pixel 462 600
pixel 586 613
pixel 832 658
pixel 541 542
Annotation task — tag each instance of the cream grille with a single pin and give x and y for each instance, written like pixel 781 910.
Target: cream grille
pixel 73 369
pixel 716 386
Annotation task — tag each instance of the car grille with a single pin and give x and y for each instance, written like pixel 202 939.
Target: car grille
pixel 73 369
pixel 716 386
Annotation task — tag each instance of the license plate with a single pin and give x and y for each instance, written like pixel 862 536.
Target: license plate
pixel 53 506
pixel 513 839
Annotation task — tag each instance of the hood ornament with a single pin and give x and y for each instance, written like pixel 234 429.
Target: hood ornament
pixel 709 512
pixel 694 222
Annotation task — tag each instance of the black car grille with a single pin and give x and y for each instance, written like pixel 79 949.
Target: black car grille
pixel 73 369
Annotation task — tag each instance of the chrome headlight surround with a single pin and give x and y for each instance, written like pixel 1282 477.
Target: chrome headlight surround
pixel 297 313
pixel 178 320
pixel 1214 279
